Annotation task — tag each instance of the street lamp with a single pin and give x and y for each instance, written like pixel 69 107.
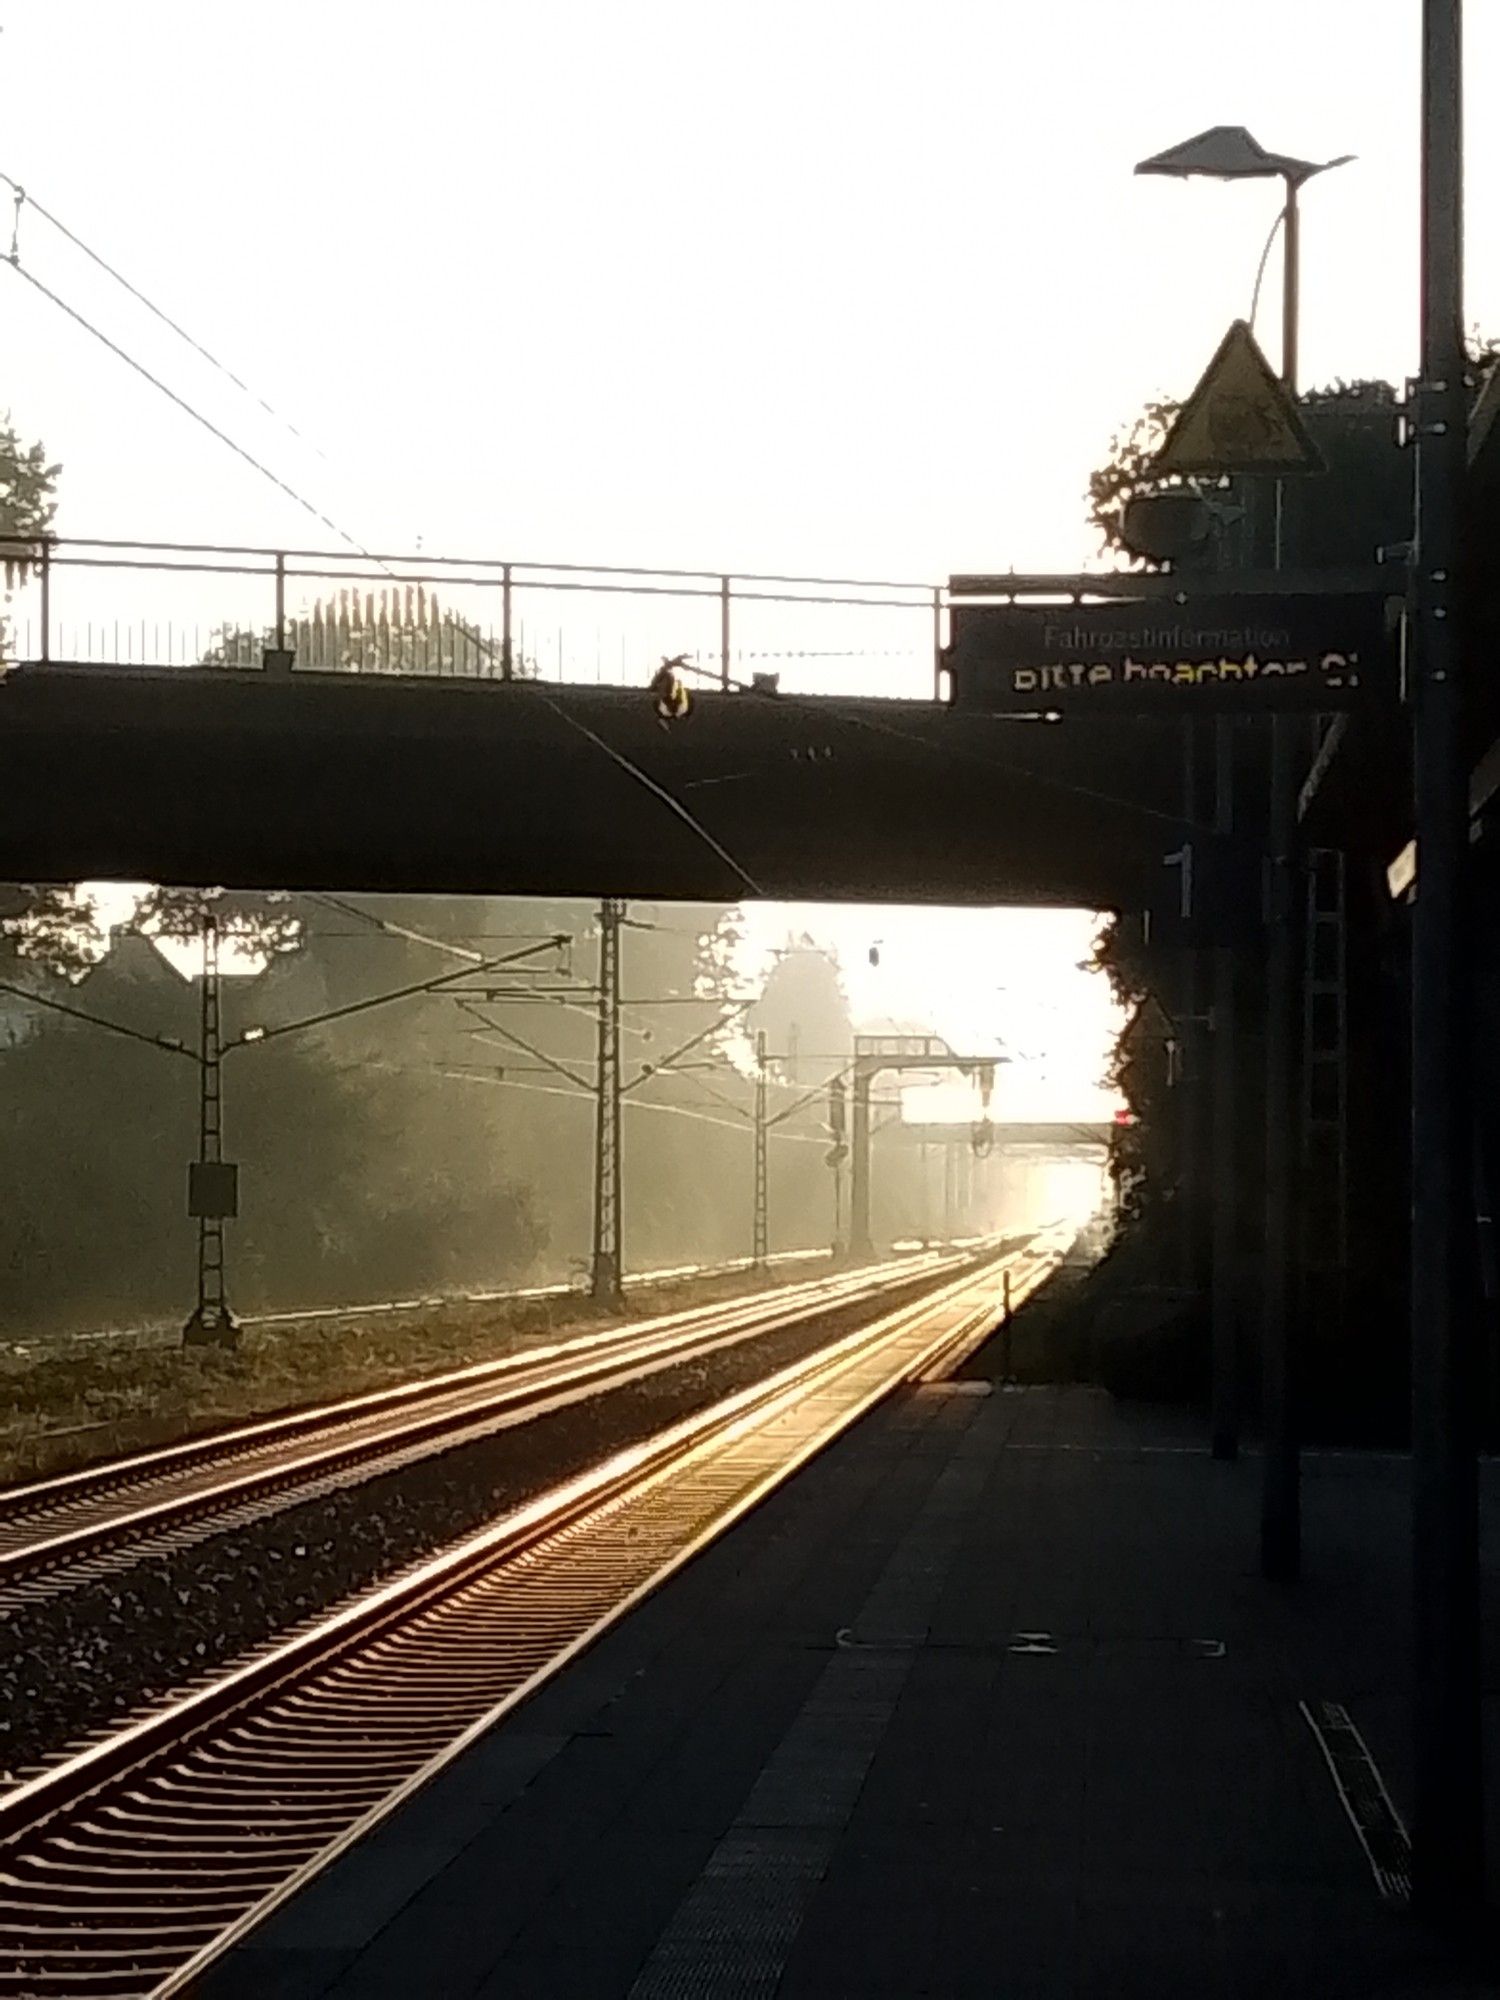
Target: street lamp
pixel 1229 153
pixel 1448 1829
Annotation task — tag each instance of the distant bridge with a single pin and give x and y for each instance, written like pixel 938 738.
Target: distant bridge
pixel 1053 1135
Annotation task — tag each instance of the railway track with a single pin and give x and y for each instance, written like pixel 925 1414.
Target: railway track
pixel 61 1532
pixel 125 1868
pixel 168 1333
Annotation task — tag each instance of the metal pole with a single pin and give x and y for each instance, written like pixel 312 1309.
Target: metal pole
pixel 507 663
pixel 607 1269
pixel 1448 1822
pixel 1281 1509
pixel 760 1241
pixel 1291 261
pixel 1225 1417
pixel 45 568
pixel 837 1153
pixel 859 1189
pixel 1187 1038
pixel 725 677
pixel 937 642
pixel 1281 1522
pixel 211 1322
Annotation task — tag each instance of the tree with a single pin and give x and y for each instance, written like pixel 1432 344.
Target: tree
pixel 48 928
pixel 1361 504
pixel 400 630
pixel 264 925
pixel 360 1181
pixel 28 501
pixel 1142 1153
pixel 57 931
pixel 407 1147
pixel 803 1011
pixel 1126 473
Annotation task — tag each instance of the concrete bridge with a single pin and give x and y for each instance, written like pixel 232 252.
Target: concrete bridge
pixel 337 781
pixel 312 752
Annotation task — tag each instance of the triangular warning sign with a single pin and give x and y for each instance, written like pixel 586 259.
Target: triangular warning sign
pixel 1240 418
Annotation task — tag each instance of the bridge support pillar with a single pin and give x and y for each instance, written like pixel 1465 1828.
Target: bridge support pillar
pixel 860 1245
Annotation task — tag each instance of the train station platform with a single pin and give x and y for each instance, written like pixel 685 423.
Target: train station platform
pixel 990 1700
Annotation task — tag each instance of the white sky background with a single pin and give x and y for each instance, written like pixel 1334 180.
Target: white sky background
pixel 810 285
pixel 991 982
pixel 845 288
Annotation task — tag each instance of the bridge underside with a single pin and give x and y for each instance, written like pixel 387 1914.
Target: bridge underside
pixel 360 782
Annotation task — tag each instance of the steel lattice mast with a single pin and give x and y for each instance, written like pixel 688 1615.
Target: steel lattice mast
pixel 607 1270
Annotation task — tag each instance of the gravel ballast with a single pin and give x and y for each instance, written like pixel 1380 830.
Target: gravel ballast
pixel 81 1660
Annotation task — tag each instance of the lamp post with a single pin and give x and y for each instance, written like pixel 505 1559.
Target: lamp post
pixel 1448 1820
pixel 1228 152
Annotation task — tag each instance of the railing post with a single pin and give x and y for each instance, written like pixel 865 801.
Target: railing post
pixel 507 665
pixel 45 568
pixel 937 642
pixel 724 599
pixel 280 602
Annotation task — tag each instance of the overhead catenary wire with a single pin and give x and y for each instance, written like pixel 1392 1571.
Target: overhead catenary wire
pixel 584 1097
pixel 667 798
pixel 634 771
pixel 437 985
pixel 392 929
pixel 618 757
pixel 207 423
pixel 34 999
pixel 827 710
pixel 452 945
pixel 24 196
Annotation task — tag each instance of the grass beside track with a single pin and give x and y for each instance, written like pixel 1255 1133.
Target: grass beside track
pixel 61 1412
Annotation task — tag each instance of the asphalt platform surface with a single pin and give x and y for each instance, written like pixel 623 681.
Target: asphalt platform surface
pixel 990 1700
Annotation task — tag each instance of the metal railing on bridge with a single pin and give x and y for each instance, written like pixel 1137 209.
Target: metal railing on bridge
pixel 83 601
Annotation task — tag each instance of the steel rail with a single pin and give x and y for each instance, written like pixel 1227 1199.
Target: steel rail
pixel 1028 1268
pixel 62 1528
pixel 124 1870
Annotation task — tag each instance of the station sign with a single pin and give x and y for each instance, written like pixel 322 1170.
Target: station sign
pixel 1253 653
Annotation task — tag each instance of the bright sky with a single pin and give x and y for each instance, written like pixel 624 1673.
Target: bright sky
pixel 839 286
pixel 992 983
pixel 783 283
